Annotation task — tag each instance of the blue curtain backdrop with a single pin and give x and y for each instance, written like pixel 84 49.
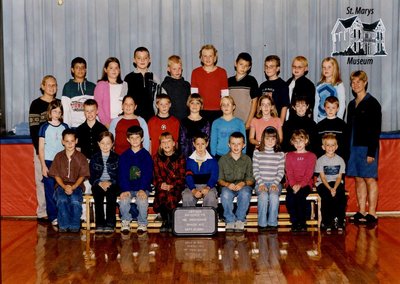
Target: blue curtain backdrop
pixel 41 37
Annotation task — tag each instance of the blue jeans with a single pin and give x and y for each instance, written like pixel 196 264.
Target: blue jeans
pixel 49 183
pixel 211 199
pixel 142 205
pixel 243 202
pixel 69 208
pixel 268 205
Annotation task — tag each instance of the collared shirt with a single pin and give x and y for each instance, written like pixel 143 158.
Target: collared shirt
pixel 235 171
pixel 69 169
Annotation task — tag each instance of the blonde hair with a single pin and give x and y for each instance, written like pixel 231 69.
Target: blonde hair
pixel 301 59
pixel 229 98
pixel 360 75
pixel 274 112
pixel 45 78
pixel 194 97
pixel 174 59
pixel 210 47
pixel 300 134
pixel 329 136
pixel 164 135
pixel 336 71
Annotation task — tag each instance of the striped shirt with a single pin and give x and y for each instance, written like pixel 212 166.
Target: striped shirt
pixel 268 166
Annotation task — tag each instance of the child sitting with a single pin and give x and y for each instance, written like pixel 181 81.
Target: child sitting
pixel 169 179
pixel 69 168
pixel 201 175
pixel 236 179
pixel 135 174
pixel 103 178
pixel 331 168
pixel 300 166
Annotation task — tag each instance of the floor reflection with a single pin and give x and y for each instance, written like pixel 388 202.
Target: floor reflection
pixel 250 257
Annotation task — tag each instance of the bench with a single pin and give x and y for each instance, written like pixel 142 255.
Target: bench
pixel 283 218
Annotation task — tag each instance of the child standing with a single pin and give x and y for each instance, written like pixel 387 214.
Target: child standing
pixel 109 91
pixel 300 119
pixel 201 175
pixel 88 132
pixel 69 168
pixel 103 178
pixel 236 179
pixel 135 174
pixel 210 81
pixel 224 126
pixel 176 87
pixel 243 88
pixel 75 92
pixel 330 84
pixel 275 87
pixel 299 84
pixel 266 116
pixel 50 143
pixel 335 125
pixel 331 168
pixel 162 122
pixel 300 166
pixel 120 125
pixel 269 169
pixel 192 125
pixel 169 180
pixel 38 116
pixel 143 85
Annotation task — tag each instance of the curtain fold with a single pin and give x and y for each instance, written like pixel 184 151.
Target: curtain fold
pixel 41 37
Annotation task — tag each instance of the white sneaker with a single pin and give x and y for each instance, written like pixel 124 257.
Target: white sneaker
pixel 142 228
pixel 54 222
pixel 125 226
pixel 239 226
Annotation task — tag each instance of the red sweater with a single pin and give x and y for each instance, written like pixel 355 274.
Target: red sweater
pixel 210 86
pixel 300 168
pixel 157 126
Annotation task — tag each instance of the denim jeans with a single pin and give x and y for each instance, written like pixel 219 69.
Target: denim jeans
pixel 211 199
pixel 142 205
pixel 268 205
pixel 243 202
pixel 69 208
pixel 49 183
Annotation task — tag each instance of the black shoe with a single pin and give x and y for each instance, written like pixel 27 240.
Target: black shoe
pixel 272 228
pixel 294 228
pixel 164 227
pixel 262 229
pixel 43 220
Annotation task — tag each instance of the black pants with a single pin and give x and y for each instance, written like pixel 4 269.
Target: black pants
pixel 111 198
pixel 332 207
pixel 297 206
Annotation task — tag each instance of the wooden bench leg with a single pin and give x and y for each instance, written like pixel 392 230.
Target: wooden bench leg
pixel 319 212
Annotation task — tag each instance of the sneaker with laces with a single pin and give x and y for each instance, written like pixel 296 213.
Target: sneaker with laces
pixel 142 228
pixel 239 226
pixel 125 226
pixel 229 227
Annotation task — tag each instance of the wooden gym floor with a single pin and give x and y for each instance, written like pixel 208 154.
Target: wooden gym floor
pixel 35 253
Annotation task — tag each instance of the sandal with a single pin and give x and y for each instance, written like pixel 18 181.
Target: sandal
pixel 356 217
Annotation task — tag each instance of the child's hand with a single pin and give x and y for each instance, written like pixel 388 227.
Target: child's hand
pixel 296 188
pixel 205 190
pixel 196 193
pixel 232 187
pixel 273 187
pixel 45 171
pixel 262 188
pixel 333 192
pixel 125 194
pixel 105 185
pixel 165 186
pixel 141 194
pixel 68 189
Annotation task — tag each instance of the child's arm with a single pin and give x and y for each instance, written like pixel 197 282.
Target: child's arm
pixel 45 170
pixel 252 137
pixel 309 169
pixel 214 138
pixel 146 136
pixel 341 92
pixel 280 132
pixel 252 112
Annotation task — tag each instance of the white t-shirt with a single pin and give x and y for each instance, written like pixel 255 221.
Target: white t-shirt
pixel 115 100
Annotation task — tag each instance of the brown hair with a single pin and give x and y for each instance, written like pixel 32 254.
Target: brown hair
pixel 274 112
pixel 53 105
pixel 300 134
pixel 270 131
pixel 164 135
pixel 210 47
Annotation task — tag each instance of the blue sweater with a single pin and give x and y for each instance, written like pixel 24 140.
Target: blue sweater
pixel 207 173
pixel 135 170
pixel 220 132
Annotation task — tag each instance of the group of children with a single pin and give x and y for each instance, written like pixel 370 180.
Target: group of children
pixel 185 140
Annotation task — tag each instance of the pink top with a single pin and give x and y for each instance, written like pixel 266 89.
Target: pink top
pixel 260 124
pixel 102 97
pixel 300 168
pixel 210 85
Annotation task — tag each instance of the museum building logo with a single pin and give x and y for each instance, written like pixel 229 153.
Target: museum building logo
pixel 351 37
